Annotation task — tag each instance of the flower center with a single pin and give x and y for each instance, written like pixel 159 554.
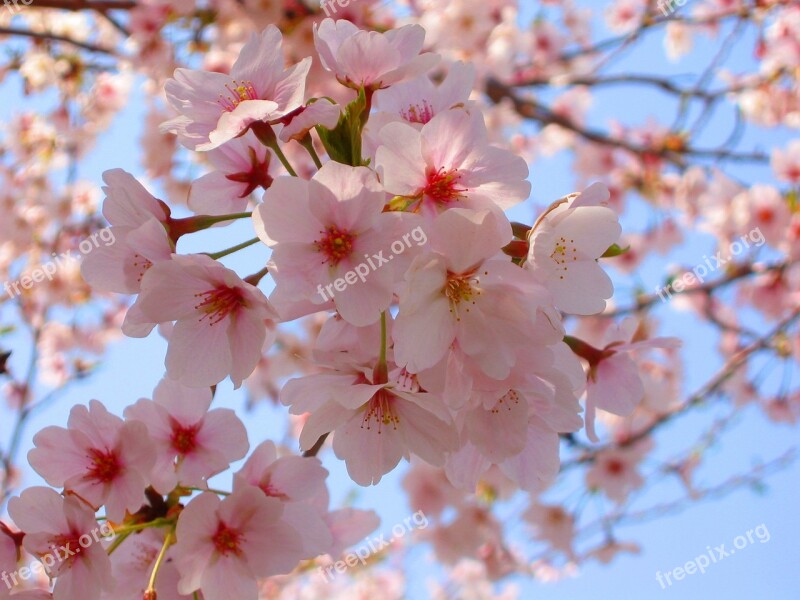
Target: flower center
pixel 184 438
pixel 335 244
pixel 141 264
pixel 461 288
pixel 61 546
pixel 380 409
pixel 442 186
pixel 418 113
pixel 218 303
pixel 227 541
pixel 105 466
pixel 240 92
pixel 564 253
pixel 615 467
pixel 257 176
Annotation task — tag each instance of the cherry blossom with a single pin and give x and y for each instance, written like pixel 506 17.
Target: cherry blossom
pixel 224 545
pixel 98 457
pixel 192 442
pixel 242 166
pixel 215 108
pixel 464 290
pixel 369 59
pixel 333 224
pixel 565 244
pixel 221 321
pixel 56 530
pixel 449 163
pixel 375 424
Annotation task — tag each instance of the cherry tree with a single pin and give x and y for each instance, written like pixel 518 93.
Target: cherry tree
pixel 421 307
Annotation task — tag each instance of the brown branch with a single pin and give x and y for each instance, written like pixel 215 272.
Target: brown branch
pixel 529 108
pixel 711 387
pixel 57 38
pixel 739 272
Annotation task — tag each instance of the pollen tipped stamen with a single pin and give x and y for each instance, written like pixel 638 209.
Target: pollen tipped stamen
pixel 240 92
pixel 381 410
pixel 218 303
pixel 442 186
pixel 464 288
pixel 418 113
pixel 335 245
pixel 565 252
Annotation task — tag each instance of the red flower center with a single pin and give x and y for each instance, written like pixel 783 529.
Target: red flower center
pixel 227 541
pixel 105 465
pixel 184 438
pixel 335 244
pixel 442 186
pixel 418 113
pixel 615 467
pixel 258 175
pixel 218 303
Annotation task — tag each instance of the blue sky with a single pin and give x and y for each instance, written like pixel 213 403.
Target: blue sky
pixel 132 368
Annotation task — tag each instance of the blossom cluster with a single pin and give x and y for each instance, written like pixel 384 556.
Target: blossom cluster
pixel 453 355
pixel 454 352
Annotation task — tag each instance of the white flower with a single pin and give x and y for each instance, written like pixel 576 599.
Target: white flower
pixel 564 247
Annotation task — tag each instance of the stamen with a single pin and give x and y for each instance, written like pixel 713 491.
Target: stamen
pixel 218 303
pixel 380 408
pixel 240 92
pixel 335 245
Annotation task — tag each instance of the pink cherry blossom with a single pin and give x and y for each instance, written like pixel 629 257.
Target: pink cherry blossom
pixel 299 123
pixel 242 166
pixel 553 524
pixel 215 108
pixel 786 163
pixel 299 482
pixel 465 290
pixel 132 564
pixel 417 101
pixel 138 236
pixel 98 457
pixel 56 531
pixel 449 163
pixel 565 244
pixel 374 424
pixel 223 546
pixel 192 442
pixel 370 59
pixel 614 471
pixel 613 380
pixel 221 321
pixel 333 224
